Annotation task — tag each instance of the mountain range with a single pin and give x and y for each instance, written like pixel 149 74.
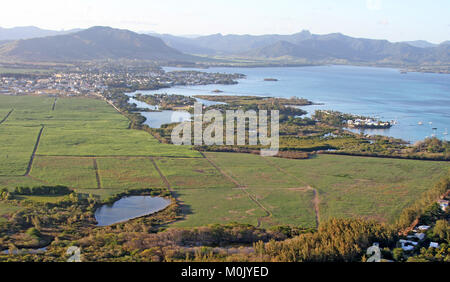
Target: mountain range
pixel 27 32
pixel 96 43
pixel 312 47
pixel 110 43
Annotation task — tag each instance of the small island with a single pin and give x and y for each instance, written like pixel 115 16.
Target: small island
pixel 270 79
pixel 166 101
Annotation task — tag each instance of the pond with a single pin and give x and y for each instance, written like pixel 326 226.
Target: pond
pixel 157 119
pixel 25 251
pixel 129 208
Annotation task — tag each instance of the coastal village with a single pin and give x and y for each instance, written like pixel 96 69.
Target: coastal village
pixel 367 123
pixel 420 236
pixel 94 83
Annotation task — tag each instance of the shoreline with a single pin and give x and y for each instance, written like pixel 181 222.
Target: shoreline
pixel 408 69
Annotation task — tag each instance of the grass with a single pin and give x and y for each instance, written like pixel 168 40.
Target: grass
pixel 192 173
pixel 11 182
pixel 221 205
pixel 348 186
pixel 6 209
pixel 16 146
pixel 252 171
pixel 128 173
pixel 288 206
pixel 44 199
pixel 67 171
pixel 4 70
pixel 102 194
pixel 368 187
pixel 107 142
pixel 80 130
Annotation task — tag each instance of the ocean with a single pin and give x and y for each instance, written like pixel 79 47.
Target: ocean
pixel 418 102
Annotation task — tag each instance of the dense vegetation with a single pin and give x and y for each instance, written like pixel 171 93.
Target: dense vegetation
pixel 167 102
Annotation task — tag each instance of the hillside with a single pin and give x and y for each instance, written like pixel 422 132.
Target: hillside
pixel 421 44
pixel 229 44
pixel 95 43
pixel 27 32
pixel 341 47
pixel 312 47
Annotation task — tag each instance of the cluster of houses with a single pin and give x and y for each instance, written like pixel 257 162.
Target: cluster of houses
pixel 414 239
pixel 419 233
pixel 57 84
pixel 367 123
pixel 94 82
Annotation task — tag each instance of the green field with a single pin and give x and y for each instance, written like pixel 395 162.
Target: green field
pixel 11 182
pixel 81 133
pixel 67 171
pixel 220 205
pixel 16 146
pixel 124 173
pixel 253 171
pixel 76 127
pixel 44 199
pixel 192 173
pixel 288 206
pixel 4 70
pixel 6 209
pixel 347 186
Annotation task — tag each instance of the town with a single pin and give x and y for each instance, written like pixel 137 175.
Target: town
pixel 91 81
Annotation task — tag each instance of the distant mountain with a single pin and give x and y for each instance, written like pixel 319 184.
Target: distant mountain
pixel 421 44
pixel 95 43
pixel 27 32
pixel 312 47
pixel 184 44
pixel 228 44
pixel 337 46
pixel 99 43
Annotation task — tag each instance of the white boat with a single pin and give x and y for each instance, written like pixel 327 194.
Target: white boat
pixel 430 123
pixel 445 132
pixel 420 123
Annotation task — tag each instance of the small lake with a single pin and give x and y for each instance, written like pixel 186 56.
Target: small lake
pixel 25 251
pixel 157 119
pixel 129 208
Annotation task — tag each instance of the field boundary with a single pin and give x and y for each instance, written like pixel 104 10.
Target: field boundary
pixel 316 199
pixel 115 156
pixel 30 164
pixel 242 188
pixel 163 177
pixel 380 157
pixel 54 104
pixel 97 175
pixel 7 116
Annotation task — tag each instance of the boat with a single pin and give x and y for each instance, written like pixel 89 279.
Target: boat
pixel 420 123
pixel 430 123
pixel 445 132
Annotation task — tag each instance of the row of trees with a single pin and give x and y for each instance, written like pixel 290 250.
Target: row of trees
pixel 43 190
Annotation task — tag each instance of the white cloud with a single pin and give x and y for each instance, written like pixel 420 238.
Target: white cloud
pixel 374 5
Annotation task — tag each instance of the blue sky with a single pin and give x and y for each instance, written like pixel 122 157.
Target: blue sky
pixel 395 20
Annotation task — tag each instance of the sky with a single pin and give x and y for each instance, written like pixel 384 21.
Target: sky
pixel 395 20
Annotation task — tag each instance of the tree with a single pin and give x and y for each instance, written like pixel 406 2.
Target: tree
pixel 442 230
pixel 398 254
